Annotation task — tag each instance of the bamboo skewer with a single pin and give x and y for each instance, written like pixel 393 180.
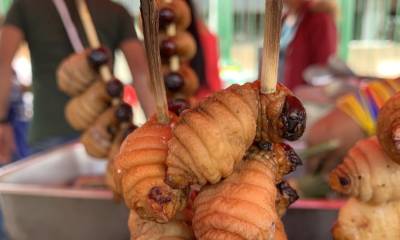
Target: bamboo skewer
pixel 91 34
pixel 270 58
pixel 150 14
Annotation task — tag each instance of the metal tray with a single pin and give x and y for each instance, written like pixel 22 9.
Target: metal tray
pixel 311 219
pixel 37 205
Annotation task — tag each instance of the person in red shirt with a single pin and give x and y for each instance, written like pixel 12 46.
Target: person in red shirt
pixel 309 37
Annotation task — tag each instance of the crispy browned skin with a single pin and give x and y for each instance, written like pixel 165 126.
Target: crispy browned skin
pixel 286 196
pixel 176 229
pixel 75 74
pixel 388 126
pixel 140 172
pixel 211 139
pixel 98 139
pixel 368 174
pixel 247 205
pixel 241 207
pixel 123 130
pixel 363 221
pixel 82 111
pixel 114 150
pixel 269 121
pixel 110 181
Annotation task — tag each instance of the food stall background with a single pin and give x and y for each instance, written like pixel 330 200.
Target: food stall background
pixel 369 44
pixel 369 38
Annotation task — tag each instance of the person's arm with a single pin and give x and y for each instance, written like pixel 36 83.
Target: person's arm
pixel 10 40
pixel 136 57
pixel 337 126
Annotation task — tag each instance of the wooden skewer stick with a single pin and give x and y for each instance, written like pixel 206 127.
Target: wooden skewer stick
pixel 91 34
pixel 270 58
pixel 174 62
pixel 150 14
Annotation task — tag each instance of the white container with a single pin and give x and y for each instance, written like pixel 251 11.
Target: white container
pixel 37 205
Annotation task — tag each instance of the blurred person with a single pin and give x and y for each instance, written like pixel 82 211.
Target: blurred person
pixel 39 24
pixel 309 37
pixel 18 120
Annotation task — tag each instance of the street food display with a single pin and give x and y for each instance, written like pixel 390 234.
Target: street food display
pixel 177 48
pixel 96 107
pixel 369 176
pixel 245 204
pixel 216 168
pixel 229 147
pixel 234 118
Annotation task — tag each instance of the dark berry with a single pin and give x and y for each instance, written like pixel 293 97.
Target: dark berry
pixel 174 82
pixel 115 88
pixel 293 118
pixel 288 192
pixel 292 156
pixel 344 181
pixel 168 49
pixel 124 113
pixel 177 106
pixel 167 17
pixel 98 57
pixel 264 145
pixel 158 196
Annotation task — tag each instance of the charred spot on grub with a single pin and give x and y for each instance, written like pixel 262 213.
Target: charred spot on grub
pixel 293 118
pixel 158 196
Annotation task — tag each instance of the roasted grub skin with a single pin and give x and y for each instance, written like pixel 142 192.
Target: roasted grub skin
pixel 362 221
pixel 243 206
pixel 82 111
pixel 98 139
pixel 286 197
pixel 139 173
pixel 212 138
pixel 388 128
pixel 75 74
pixel 367 173
pixel 176 229
pixel 279 156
